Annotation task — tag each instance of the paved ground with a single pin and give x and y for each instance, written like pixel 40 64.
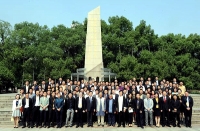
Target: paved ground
pixel 194 128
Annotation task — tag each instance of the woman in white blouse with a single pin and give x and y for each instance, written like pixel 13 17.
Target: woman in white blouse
pixel 17 104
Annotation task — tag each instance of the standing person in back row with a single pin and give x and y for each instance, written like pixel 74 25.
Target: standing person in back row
pixel 27 105
pixel 188 104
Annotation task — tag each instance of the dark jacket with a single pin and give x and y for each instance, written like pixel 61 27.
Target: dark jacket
pixel 113 106
pixel 68 101
pixel 24 103
pixel 77 101
pixel 90 106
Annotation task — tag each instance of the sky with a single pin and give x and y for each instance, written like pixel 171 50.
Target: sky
pixel 164 16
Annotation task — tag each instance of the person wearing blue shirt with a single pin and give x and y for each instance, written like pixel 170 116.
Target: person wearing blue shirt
pixel 59 102
pixel 111 110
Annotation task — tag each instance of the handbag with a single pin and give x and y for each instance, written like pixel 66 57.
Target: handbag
pixel 21 109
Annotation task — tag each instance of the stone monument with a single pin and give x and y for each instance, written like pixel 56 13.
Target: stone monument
pixel 93 52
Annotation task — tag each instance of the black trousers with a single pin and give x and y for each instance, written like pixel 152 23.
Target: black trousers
pixel 164 115
pixel 111 119
pixel 79 117
pixel 139 118
pixel 52 116
pixel 26 116
pixel 89 118
pixel 121 118
pixel 59 118
pixel 188 115
pixel 35 115
pixel 176 116
pixel 130 118
pixel 43 117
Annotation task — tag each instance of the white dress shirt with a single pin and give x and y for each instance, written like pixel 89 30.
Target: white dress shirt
pixel 27 103
pixel 80 102
pixel 120 103
pixel 37 101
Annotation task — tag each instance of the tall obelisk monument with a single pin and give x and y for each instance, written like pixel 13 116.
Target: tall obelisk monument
pixel 93 51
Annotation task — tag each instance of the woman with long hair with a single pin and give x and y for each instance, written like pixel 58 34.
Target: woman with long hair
pixel 130 109
pixel 157 109
pixel 17 104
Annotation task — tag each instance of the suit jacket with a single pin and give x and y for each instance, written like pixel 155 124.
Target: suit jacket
pixel 34 100
pixel 44 101
pixel 124 104
pixel 140 106
pixel 67 103
pixel 184 101
pixel 156 103
pixel 77 101
pixel 51 103
pixel 103 102
pixel 165 105
pixel 14 104
pixel 175 105
pixel 24 103
pixel 90 106
pixel 113 106
pixel 25 89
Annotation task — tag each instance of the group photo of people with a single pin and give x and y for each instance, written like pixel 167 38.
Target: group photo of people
pixel 132 103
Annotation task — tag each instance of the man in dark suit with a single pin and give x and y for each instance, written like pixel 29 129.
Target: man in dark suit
pixel 165 109
pixel 90 108
pixel 36 109
pixel 121 108
pixel 175 107
pixel 60 81
pixel 27 106
pixel 79 109
pixel 52 111
pixel 111 110
pixel 188 104
pixel 26 87
pixel 139 103
pixel 44 86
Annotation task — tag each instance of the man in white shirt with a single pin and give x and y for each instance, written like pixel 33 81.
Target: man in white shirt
pixel 27 105
pixel 148 108
pixel 121 106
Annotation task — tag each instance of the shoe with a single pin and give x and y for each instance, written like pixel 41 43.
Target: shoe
pixel 91 125
pixel 102 125
pixel 174 125
pixel 190 126
pixel 23 126
pixel 179 126
pixel 163 125
pixel 169 126
pixel 28 126
pixel 81 126
pixel 98 125
pixel 71 126
pixel 57 127
pixel 16 126
pixel 88 126
pixel 118 125
pixel 48 126
pixel 124 126
pixel 76 126
pixel 66 125
pixel 142 127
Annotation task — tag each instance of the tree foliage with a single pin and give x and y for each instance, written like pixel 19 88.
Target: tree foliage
pixel 30 51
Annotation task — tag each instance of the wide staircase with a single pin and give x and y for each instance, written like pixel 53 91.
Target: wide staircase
pixel 6 109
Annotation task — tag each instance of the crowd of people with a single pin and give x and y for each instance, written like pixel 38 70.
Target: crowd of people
pixel 68 103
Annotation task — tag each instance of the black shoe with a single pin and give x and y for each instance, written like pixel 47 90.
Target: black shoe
pixel 23 126
pixel 98 125
pixel 91 125
pixel 174 125
pixel 190 126
pixel 124 126
pixel 169 126
pixel 71 126
pixel 81 126
pixel 76 126
pixel 142 127
pixel 88 126
pixel 163 125
pixel 48 126
pixel 28 126
pixel 102 125
pixel 179 126
pixel 119 126
pixel 57 127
